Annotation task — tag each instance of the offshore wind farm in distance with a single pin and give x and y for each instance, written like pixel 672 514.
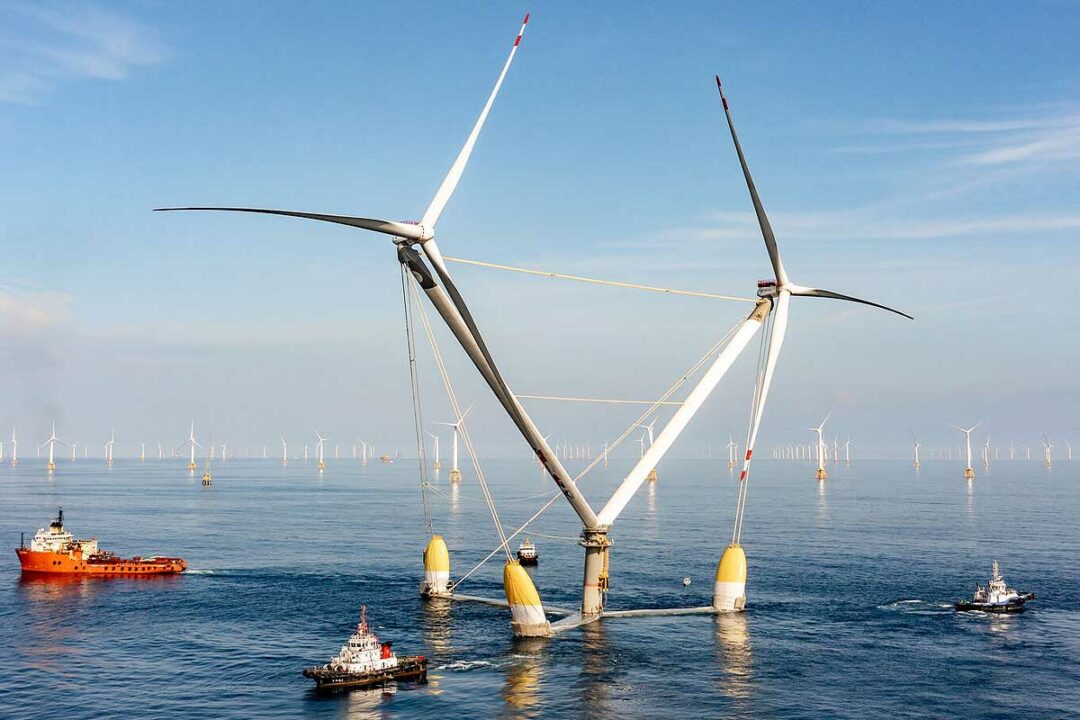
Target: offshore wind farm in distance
pixel 554 510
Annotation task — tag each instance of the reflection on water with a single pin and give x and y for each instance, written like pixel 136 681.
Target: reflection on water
pixel 438 635
pixel 51 607
pixel 822 501
pixel 652 518
pixel 523 678
pixel 367 704
pixel 734 656
pixel 596 666
pixel 971 498
pixel 454 488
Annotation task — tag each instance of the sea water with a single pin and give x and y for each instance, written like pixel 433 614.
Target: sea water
pixel 848 602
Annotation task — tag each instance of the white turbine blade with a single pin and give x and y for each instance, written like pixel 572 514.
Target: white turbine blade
pixel 759 209
pixel 829 415
pixel 387 227
pixel 450 182
pixel 817 292
pixel 462 418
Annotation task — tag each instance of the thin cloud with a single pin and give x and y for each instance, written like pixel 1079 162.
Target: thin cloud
pixel 1025 141
pixel 30 313
pixel 863 224
pixel 43 46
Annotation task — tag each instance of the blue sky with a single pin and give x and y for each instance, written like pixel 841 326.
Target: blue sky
pixel 921 155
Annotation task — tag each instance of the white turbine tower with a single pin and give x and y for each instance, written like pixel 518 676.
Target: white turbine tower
pixel 160 451
pixel 455 472
pixel 74 451
pixel 51 442
pixel 732 446
pixel 821 448
pixel 191 444
pixel 319 449
pixel 142 452
pixel 305 452
pixel 917 464
pixel 109 448
pixel 14 447
pixel 1068 450
pixel 1048 447
pixel 436 465
pixel 651 477
pixel 284 451
pixel 969 471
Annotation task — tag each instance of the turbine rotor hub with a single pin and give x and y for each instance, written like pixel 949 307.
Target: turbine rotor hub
pixel 768 288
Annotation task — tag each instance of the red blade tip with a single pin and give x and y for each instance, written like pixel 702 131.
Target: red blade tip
pixel 526 20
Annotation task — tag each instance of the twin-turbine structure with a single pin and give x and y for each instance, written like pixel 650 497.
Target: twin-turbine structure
pixel 419 252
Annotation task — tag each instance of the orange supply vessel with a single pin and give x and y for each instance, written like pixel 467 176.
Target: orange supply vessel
pixel 54 551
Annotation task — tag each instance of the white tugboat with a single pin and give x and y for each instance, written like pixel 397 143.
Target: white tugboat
pixel 364 661
pixel 997 597
pixel 527 554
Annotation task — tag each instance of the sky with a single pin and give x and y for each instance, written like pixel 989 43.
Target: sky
pixel 923 155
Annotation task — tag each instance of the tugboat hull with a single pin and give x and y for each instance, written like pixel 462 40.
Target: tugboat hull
pixel 1011 607
pixel 329 680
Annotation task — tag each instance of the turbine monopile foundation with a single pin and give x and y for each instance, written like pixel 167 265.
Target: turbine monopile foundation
pixel 436 582
pixel 595 583
pixel 729 591
pixel 527 618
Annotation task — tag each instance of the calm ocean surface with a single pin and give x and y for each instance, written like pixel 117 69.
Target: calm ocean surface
pixel 848 614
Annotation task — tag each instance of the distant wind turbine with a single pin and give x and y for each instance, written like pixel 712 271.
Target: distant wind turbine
pixel 969 471
pixel 51 443
pixel 821 448
pixel 455 471
pixel 319 449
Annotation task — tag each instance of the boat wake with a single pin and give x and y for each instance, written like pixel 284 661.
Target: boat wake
pixel 915 606
pixel 464 665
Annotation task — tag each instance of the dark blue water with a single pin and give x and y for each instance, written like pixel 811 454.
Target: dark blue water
pixel 848 612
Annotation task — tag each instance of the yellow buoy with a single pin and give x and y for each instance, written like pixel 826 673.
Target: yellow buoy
pixel 436 569
pixel 527 618
pixel 729 592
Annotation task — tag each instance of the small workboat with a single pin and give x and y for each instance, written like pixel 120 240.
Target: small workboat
pixel 527 554
pixel 997 597
pixel 365 662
